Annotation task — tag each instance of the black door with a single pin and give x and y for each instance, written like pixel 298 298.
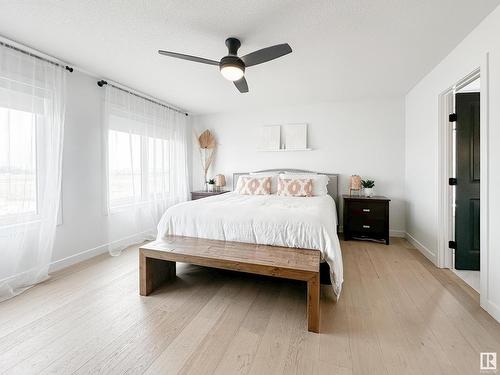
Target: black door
pixel 467 189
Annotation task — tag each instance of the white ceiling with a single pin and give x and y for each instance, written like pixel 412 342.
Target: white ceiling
pixel 342 49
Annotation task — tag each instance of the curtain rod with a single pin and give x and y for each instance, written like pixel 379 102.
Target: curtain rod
pixel 10 44
pixel 102 82
pixel 68 68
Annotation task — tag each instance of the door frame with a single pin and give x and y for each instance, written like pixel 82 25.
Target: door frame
pixel 445 197
pixel 445 257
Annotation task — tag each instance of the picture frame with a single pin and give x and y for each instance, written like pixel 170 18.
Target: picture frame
pixel 270 137
pixel 295 136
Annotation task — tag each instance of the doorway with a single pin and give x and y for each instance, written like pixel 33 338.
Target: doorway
pixel 462 104
pixel 467 166
pixel 446 224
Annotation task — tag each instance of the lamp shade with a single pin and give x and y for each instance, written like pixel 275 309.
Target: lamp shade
pixel 220 180
pixel 355 182
pixel 231 73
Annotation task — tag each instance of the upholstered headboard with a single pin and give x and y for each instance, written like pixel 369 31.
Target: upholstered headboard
pixel 333 183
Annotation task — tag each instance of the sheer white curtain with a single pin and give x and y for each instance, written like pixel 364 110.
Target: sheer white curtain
pixel 32 93
pixel 145 148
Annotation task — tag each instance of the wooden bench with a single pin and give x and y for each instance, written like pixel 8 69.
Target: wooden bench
pixel 157 264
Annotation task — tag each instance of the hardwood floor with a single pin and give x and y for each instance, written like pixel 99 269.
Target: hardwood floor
pixel 398 314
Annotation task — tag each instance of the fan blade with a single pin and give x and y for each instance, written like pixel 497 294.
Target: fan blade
pixel 266 54
pixel 241 85
pixel 188 57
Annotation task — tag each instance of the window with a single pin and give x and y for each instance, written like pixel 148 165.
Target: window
pixel 138 168
pixel 18 163
pixel 158 164
pixel 124 168
pixel 146 147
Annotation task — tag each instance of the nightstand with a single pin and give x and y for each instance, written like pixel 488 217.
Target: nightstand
pixel 203 194
pixel 366 218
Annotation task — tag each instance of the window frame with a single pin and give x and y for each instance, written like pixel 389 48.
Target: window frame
pixel 131 200
pixel 12 220
pixel 149 193
pixel 147 196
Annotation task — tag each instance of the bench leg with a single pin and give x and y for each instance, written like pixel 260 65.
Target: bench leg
pixel 152 272
pixel 313 304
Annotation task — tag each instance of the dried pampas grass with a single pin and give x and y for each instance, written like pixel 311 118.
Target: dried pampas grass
pixel 207 145
pixel 206 140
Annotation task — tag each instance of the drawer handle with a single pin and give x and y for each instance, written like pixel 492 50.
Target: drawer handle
pixel 366 210
pixel 366 226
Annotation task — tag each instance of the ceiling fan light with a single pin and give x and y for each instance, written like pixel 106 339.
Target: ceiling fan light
pixel 231 72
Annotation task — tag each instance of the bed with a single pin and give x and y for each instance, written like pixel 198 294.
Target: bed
pixel 289 222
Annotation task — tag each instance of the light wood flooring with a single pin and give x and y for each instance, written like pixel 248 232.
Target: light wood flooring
pixel 397 314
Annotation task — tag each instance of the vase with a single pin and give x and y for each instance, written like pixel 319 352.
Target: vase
pixel 210 187
pixel 369 192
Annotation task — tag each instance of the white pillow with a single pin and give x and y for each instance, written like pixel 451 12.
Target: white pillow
pixel 274 179
pixel 320 181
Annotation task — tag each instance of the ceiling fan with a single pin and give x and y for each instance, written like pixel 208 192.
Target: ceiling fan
pixel 233 67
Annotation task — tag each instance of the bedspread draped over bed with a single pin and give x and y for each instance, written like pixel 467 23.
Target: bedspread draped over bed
pixel 308 223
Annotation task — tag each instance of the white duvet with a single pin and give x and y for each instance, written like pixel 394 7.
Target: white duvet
pixel 308 223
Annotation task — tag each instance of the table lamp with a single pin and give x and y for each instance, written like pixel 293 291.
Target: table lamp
pixel 355 184
pixel 220 181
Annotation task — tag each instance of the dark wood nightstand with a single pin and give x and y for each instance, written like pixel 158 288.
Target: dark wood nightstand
pixel 203 194
pixel 366 218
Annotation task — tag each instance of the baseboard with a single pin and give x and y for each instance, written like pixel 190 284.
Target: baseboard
pixel 397 233
pixel 116 247
pixel 77 258
pixel 66 262
pixel 90 253
pixel 492 309
pixel 425 251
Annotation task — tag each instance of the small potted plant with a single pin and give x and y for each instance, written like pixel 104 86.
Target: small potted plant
pixel 211 184
pixel 368 186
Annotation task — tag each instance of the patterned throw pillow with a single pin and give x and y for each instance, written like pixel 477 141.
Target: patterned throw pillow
pixel 295 187
pixel 320 181
pixel 248 185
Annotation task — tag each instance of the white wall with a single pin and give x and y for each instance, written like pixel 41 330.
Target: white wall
pixel 363 137
pixel 422 146
pixel 84 225
pixel 85 229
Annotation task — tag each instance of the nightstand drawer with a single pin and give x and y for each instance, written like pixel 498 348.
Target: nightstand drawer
pixel 204 194
pixel 367 226
pixel 367 209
